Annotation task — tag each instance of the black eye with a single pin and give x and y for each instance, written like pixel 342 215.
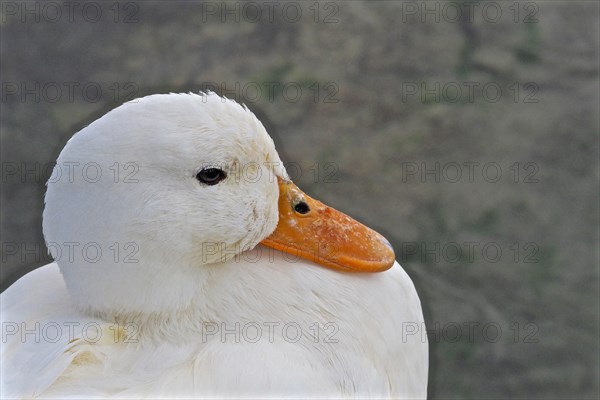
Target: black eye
pixel 211 176
pixel 302 208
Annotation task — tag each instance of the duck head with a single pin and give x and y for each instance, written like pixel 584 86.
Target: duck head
pixel 162 191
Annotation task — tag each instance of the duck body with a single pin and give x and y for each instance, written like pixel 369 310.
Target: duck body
pixel 348 335
pixel 182 321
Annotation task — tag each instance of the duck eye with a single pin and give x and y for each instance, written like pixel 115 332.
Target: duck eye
pixel 302 208
pixel 211 176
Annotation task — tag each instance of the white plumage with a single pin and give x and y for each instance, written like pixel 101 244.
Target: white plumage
pixel 184 301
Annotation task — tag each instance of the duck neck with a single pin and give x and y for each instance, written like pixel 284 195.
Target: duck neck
pixel 260 288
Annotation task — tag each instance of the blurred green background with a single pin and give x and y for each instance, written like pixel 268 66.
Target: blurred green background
pixel 377 107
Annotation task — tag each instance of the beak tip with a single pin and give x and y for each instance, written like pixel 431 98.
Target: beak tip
pixel 388 254
pixel 387 243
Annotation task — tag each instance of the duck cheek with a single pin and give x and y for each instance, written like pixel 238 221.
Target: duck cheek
pixel 254 222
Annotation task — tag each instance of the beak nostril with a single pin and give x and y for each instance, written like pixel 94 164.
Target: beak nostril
pixel 302 208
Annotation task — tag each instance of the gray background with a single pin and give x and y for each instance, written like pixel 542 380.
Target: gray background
pixel 520 324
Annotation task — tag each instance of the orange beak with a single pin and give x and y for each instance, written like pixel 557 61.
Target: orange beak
pixel 309 229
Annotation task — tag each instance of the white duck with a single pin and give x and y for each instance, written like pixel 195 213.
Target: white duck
pixel 158 216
